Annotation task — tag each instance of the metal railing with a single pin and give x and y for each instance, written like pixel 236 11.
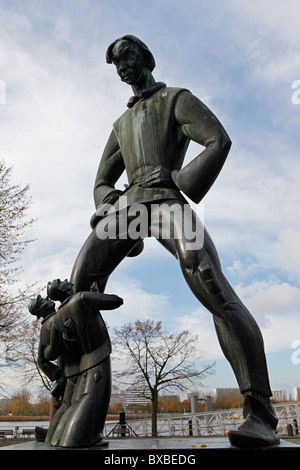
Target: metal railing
pixel 212 423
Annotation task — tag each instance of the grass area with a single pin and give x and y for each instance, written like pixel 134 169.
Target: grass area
pixel 13 418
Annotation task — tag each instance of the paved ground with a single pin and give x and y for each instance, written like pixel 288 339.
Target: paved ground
pixel 148 444
pixel 14 441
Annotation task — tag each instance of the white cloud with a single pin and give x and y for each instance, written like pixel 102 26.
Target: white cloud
pixel 139 304
pixel 199 322
pixel 275 306
pixel 280 333
pixel 289 250
pixel 56 122
pixel 268 299
pixel 267 34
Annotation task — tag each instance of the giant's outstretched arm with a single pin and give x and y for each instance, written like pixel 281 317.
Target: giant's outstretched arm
pixel 200 125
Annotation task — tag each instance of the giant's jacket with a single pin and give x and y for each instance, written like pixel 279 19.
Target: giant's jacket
pixel 154 133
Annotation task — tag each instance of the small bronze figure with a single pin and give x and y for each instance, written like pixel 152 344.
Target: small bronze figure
pixel 77 337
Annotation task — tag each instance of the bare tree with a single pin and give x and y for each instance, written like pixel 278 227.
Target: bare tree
pixel 14 202
pixel 158 359
pixel 32 372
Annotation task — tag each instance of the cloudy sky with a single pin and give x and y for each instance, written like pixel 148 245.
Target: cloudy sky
pixel 59 98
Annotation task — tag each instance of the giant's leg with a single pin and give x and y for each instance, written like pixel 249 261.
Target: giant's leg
pixel 99 257
pixel 238 333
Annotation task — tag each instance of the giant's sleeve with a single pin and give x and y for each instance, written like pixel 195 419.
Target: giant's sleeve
pixel 110 169
pixel 200 125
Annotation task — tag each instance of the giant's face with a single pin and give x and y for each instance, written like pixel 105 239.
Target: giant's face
pixel 129 61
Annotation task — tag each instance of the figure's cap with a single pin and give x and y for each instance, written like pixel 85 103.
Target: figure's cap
pixel 150 62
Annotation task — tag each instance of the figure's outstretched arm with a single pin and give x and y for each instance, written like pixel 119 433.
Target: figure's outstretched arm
pixel 97 300
pixel 200 125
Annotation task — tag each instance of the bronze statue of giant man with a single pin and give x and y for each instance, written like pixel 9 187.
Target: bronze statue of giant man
pixel 149 142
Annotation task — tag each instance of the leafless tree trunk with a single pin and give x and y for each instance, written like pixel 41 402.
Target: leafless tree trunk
pixel 158 359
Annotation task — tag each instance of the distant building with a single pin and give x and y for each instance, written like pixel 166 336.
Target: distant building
pixel 4 402
pixel 279 394
pixel 165 398
pixel 196 397
pixel 296 392
pixel 193 394
pixel 133 395
pixel 117 397
pixel 137 395
pixel 221 393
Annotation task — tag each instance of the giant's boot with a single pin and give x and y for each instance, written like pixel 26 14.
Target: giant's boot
pixel 259 427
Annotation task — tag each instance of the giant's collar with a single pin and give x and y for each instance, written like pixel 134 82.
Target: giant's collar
pixel 146 93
